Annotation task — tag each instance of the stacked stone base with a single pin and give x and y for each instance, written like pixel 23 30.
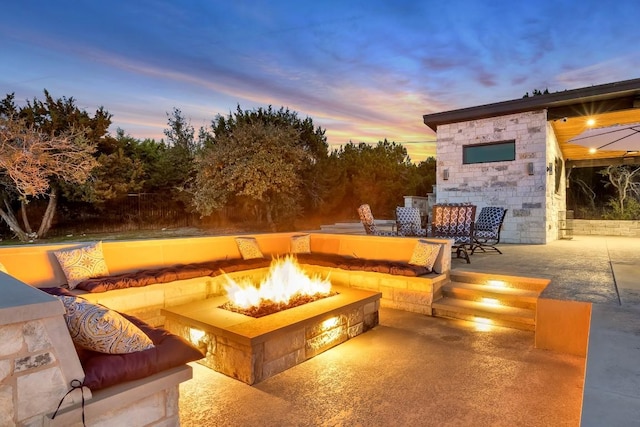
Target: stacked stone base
pixel 253 350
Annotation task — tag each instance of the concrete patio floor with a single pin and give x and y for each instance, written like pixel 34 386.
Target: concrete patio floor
pixel 420 370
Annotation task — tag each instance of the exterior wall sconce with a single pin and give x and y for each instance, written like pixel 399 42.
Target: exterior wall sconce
pixel 445 174
pixel 530 169
pixel 550 168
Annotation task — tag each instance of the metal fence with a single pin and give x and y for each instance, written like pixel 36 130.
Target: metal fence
pixel 140 211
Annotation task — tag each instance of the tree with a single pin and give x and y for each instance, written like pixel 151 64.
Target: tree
pixel 361 173
pixel 30 160
pixel 310 139
pixel 624 180
pixel 257 166
pixel 53 121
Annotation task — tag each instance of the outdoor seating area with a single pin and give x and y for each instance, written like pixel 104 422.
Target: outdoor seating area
pixel 455 221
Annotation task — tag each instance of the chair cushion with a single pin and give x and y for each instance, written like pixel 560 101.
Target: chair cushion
pixel 489 220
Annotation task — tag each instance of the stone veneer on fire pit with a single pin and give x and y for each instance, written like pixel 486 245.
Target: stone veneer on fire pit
pixel 253 349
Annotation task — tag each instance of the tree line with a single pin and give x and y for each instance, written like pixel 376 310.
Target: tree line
pixel 267 165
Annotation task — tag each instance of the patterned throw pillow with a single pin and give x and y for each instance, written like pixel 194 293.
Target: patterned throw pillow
pixel 425 254
pixel 249 248
pixel 82 263
pixel 97 328
pixel 301 244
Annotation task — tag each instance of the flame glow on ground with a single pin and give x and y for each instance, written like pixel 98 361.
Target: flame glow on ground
pixel 284 281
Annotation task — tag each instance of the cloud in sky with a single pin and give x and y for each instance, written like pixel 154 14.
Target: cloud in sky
pixel 364 71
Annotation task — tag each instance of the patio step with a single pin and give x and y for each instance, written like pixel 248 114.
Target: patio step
pixel 343 228
pixel 512 297
pixel 508 301
pixel 499 315
pixel 355 227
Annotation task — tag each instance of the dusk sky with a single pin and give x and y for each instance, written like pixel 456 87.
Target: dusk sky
pixel 362 70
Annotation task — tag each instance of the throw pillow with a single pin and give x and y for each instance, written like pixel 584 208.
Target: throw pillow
pixel 249 248
pixel 3 268
pixel 82 263
pixel 425 254
pixel 100 329
pixel 301 244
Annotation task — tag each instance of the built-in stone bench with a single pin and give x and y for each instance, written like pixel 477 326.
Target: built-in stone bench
pixel 38 362
pixel 37 357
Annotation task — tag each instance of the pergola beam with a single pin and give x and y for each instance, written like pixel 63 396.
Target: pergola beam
pixel 615 161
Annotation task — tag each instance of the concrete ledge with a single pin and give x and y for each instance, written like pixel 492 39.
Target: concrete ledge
pixel 612 376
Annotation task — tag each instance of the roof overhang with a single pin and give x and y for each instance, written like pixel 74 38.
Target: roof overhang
pixel 568 112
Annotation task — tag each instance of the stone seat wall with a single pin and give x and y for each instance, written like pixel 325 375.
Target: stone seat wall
pixel 38 363
pixel 36 349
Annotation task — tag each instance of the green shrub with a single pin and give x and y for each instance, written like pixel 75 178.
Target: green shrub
pixel 631 210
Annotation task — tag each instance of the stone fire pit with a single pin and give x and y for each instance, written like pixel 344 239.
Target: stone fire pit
pixel 253 349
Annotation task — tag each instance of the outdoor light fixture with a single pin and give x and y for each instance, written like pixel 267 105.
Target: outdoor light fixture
pixel 195 335
pixel 530 168
pixel 445 174
pixel 591 122
pixel 496 283
pixel 482 324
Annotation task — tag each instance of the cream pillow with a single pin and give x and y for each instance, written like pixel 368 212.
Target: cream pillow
pixel 248 247
pixel 82 263
pixel 301 244
pixel 425 254
pixel 3 268
pixel 97 328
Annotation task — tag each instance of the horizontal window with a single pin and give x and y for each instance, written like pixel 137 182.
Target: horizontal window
pixel 486 153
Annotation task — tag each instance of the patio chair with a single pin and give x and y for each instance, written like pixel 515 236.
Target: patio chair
pixel 456 222
pixel 409 223
pixel 366 217
pixel 486 234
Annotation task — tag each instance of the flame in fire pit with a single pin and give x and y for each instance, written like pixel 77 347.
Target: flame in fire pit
pixel 284 281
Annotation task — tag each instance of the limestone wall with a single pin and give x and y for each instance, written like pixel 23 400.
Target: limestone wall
pixel 524 190
pixel 37 357
pixel 601 227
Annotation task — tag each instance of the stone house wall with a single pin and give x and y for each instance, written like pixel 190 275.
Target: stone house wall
pixel 531 199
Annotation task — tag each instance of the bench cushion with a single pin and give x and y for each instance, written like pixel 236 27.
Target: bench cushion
pixel 169 274
pixel 103 370
pixel 396 268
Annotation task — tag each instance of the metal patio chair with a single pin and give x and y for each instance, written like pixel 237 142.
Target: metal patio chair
pixel 455 221
pixel 366 217
pixel 486 234
pixel 409 222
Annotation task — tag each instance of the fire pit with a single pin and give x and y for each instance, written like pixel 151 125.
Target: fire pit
pixel 253 349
